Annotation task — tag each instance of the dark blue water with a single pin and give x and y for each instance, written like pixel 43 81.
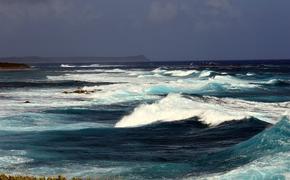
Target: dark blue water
pixel 172 120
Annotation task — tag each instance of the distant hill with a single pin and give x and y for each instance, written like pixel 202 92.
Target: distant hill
pixel 36 59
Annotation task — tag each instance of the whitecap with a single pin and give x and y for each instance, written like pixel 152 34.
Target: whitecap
pixel 101 65
pixel 208 110
pixel 181 73
pixel 250 74
pixel 10 158
pixel 67 66
pixel 174 73
pixel 142 85
pixel 205 73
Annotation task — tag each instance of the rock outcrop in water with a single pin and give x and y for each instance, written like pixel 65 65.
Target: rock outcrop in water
pixel 13 66
pixel 79 91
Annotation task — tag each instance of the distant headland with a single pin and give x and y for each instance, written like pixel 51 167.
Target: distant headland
pixel 13 66
pixel 37 59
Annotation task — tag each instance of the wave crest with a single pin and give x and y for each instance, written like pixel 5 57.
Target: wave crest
pixel 278 82
pixel 208 110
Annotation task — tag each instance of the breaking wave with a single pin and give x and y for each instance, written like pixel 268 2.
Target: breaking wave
pixel 208 110
pixel 176 73
pixel 205 73
pixel 139 84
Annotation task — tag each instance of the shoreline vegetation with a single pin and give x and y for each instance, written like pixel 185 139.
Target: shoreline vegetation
pixel 18 177
pixel 13 66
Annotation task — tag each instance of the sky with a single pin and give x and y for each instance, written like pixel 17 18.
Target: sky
pixel 159 29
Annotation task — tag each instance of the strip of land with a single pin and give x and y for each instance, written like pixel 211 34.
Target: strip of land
pixel 13 66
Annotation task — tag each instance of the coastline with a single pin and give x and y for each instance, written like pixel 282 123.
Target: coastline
pixel 4 66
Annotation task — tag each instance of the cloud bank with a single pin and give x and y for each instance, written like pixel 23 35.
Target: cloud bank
pixel 162 29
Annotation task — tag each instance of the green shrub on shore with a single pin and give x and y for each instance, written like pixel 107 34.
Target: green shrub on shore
pixel 16 177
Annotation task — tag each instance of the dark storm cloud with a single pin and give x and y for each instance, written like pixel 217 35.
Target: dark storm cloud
pixel 23 1
pixel 162 29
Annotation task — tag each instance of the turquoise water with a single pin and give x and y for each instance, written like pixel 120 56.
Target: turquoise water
pixel 161 120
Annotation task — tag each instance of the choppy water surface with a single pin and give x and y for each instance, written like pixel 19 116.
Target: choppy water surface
pixel 178 120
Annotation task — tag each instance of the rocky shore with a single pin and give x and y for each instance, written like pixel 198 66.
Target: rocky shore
pixel 13 66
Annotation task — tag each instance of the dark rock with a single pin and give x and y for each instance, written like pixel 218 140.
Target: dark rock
pixel 80 91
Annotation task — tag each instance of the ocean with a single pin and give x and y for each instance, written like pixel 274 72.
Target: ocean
pixel 153 120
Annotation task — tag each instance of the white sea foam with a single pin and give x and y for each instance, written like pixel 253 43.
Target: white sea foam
pixel 277 81
pixel 205 73
pixel 131 85
pixel 158 70
pixel 181 73
pixel 250 74
pixel 274 166
pixel 90 65
pixel 233 82
pixel 12 102
pixel 67 66
pixel 176 73
pixel 90 70
pixel 151 76
pixel 70 169
pixel 101 65
pixel 210 110
pixel 141 85
pixel 10 158
pixel 157 79
pixel 117 70
pixel 100 77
